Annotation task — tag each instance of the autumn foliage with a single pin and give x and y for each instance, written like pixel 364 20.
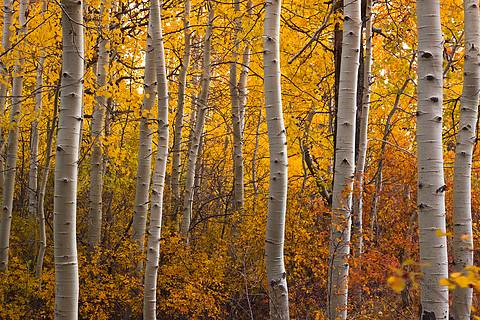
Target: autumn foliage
pixel 221 273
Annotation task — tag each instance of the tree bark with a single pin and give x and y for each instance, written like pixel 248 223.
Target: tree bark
pixel 363 139
pixel 145 144
pixel 237 116
pixel 431 184
pixel 462 202
pixel 96 159
pixel 199 126
pixel 66 163
pixel 12 146
pixel 277 142
pixel 154 235
pixel 177 137
pixel 344 164
pixel 6 44
pixel 43 186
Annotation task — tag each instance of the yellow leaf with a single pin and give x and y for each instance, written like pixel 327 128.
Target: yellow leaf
pixel 442 234
pixel 465 237
pixel 397 284
pixel 462 281
pixel 444 282
pixel 408 262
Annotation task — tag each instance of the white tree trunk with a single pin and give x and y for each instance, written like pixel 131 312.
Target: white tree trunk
pixel 431 185
pixel 362 141
pixel 199 125
pixel 43 186
pixel 96 159
pixel 344 164
pixel 177 138
pixel 154 235
pixel 66 163
pixel 145 144
pixel 33 172
pixel 6 44
pixel 12 146
pixel 277 142
pixel 237 116
pixel 462 202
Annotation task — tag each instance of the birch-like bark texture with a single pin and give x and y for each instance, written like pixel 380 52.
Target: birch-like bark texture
pixel 462 202
pixel 362 140
pixel 431 184
pixel 96 159
pixel 177 137
pixel 198 131
pixel 344 164
pixel 145 144
pixel 43 186
pixel 6 44
pixel 66 162
pixel 12 146
pixel 277 143
pixel 237 116
pixel 154 235
pixel 33 172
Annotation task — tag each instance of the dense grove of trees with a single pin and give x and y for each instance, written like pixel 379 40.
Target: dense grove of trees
pixel 239 160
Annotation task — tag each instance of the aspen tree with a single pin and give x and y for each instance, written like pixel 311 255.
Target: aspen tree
pixel 43 186
pixel 344 164
pixel 12 145
pixel 431 185
pixel 278 182
pixel 66 162
pixel 153 251
pixel 462 202
pixel 145 144
pixel 177 137
pixel 363 139
pixel 199 126
pixel 98 118
pixel 237 116
pixel 34 136
pixel 6 44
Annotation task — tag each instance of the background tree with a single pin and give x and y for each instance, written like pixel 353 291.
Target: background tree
pixel 462 210
pixel 199 127
pixel 12 144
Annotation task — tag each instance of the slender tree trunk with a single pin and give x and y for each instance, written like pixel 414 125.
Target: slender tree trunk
pixel 33 173
pixel 66 163
pixel 255 154
pixel 344 164
pixel 237 116
pixel 43 186
pixel 431 184
pixel 145 145
pixel 462 202
pixel 96 160
pixel 12 146
pixel 177 137
pixel 151 268
pixel 362 139
pixel 34 135
pixel 199 126
pixel 6 44
pixel 277 142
